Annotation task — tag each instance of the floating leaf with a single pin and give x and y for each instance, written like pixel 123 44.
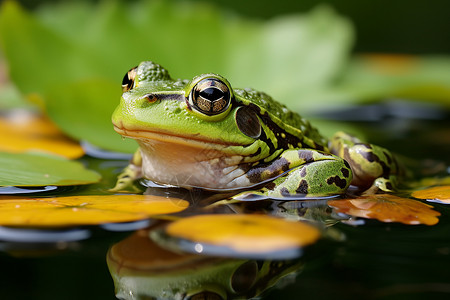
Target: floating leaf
pixel 139 255
pixel 439 194
pixel 257 235
pixel 22 131
pixel 84 210
pixel 388 208
pixel 21 169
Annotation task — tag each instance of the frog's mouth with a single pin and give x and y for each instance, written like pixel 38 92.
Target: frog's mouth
pixel 194 140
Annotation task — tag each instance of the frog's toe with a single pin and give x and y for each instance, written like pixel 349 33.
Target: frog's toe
pixel 381 184
pixel 125 181
pixel 251 195
pixel 125 186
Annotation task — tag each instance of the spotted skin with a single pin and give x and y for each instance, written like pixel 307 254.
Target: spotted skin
pixel 374 168
pixel 311 173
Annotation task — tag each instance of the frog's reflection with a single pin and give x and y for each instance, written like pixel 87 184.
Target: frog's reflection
pixel 143 270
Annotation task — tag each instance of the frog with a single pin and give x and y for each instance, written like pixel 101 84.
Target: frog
pixel 204 134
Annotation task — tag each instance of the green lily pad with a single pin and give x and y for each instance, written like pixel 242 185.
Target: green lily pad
pixel 74 56
pixel 41 170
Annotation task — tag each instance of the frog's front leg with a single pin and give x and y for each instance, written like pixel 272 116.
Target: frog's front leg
pixel 374 168
pixel 301 173
pixel 125 181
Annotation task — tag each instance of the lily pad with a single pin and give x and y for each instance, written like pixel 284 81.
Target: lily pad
pixel 242 235
pixel 22 169
pixel 23 131
pixel 439 194
pixel 138 253
pixel 388 208
pixel 84 210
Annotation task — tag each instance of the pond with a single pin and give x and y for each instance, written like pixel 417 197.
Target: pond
pixel 355 258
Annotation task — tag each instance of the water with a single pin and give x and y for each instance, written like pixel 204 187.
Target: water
pixel 370 261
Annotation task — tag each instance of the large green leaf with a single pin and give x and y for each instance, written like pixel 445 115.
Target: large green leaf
pixel 78 108
pixel 42 170
pixel 374 76
pixel 74 55
pixel 379 77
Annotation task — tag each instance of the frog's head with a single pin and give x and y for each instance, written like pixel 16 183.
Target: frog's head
pixel 194 133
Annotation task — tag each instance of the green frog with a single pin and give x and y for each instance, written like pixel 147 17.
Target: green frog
pixel 202 133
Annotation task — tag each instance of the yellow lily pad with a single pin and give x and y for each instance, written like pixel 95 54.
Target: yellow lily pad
pixel 139 253
pixel 22 132
pixel 388 208
pixel 246 234
pixel 439 194
pixel 84 210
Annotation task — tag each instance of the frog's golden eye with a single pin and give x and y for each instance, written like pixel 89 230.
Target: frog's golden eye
pixel 210 97
pixel 128 80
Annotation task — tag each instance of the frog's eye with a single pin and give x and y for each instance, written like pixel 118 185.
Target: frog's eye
pixel 128 80
pixel 210 97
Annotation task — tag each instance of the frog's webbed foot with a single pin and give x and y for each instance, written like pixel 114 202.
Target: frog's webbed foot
pixel 382 185
pixel 125 181
pixel 375 169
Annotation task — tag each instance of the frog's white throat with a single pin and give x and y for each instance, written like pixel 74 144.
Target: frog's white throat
pixel 186 164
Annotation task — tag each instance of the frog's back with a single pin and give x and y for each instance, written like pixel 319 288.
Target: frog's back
pixel 288 120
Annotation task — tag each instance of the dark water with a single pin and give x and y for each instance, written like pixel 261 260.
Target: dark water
pixel 375 260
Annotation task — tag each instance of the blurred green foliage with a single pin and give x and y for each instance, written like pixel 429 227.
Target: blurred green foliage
pixel 401 26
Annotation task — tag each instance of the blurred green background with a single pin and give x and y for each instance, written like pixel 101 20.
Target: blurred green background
pixel 401 26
